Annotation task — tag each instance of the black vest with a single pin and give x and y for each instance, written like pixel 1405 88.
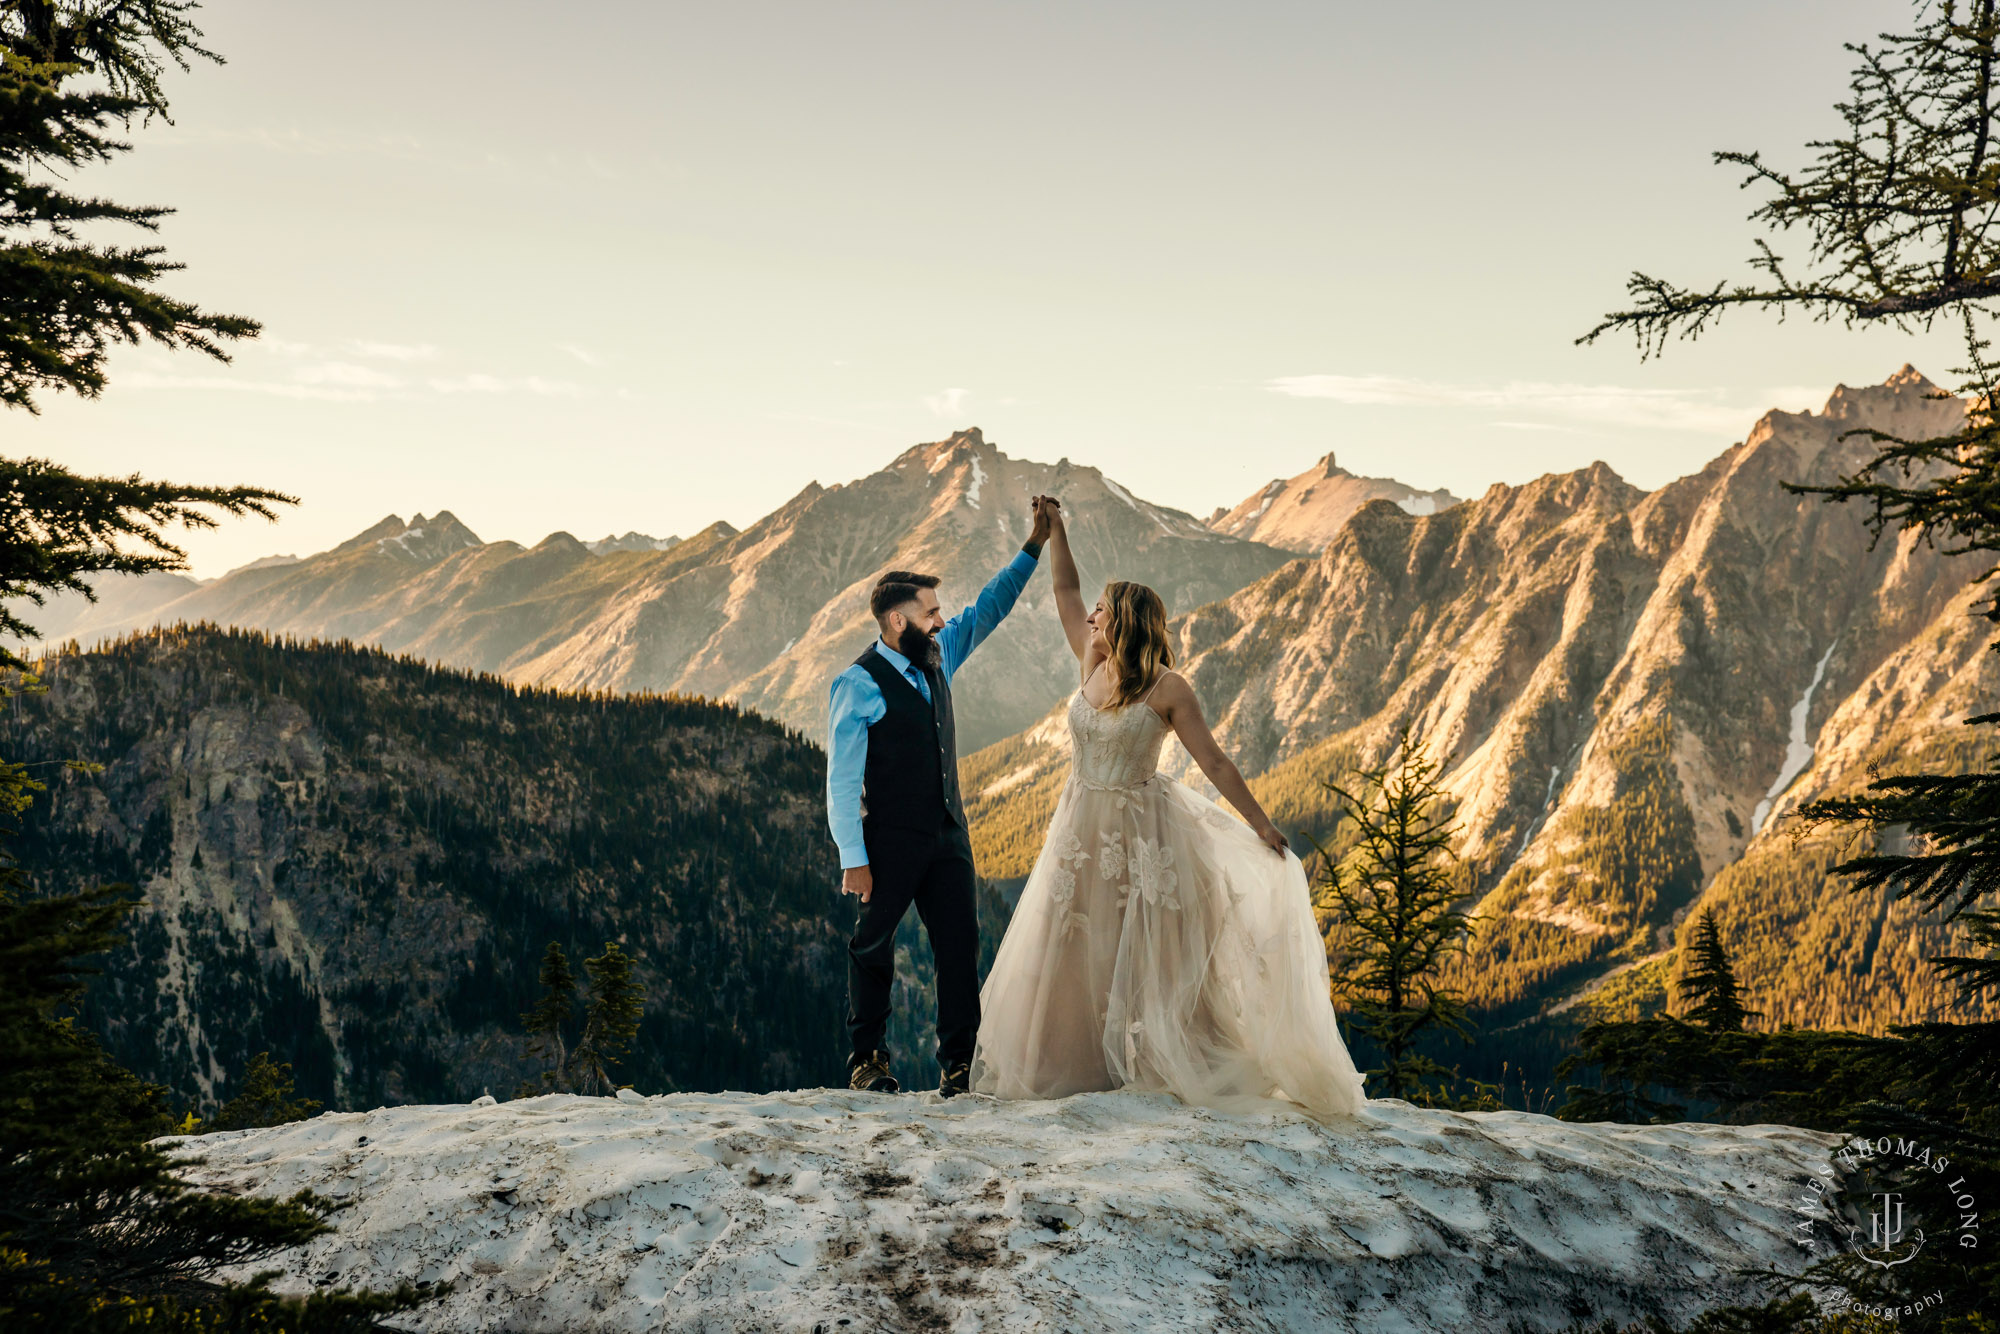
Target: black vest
pixel 910 780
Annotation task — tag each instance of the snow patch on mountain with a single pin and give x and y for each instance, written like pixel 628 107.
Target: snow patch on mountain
pixel 1109 1211
pixel 1798 751
pixel 978 480
pixel 1139 505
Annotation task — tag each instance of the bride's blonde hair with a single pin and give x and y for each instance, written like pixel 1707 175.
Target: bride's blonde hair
pixel 1137 633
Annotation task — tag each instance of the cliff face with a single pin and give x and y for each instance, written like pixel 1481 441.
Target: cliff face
pixel 1635 688
pixel 1108 1211
pixel 354 862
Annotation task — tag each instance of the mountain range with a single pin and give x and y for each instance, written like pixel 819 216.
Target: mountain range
pixel 1633 689
pixel 763 617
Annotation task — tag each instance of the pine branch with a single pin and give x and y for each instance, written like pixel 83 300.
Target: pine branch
pixel 57 526
pixel 1897 213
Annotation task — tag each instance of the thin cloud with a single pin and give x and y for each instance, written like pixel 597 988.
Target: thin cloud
pixel 1534 426
pixel 946 404
pixel 346 375
pixel 1711 411
pixel 322 392
pixel 583 355
pixel 351 382
pixel 394 351
pixel 479 383
pixel 314 143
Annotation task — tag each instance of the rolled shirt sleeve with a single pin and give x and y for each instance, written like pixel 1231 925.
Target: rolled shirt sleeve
pixel 853 704
pixel 968 630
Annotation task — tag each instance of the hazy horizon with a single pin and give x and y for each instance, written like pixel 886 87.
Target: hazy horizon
pixel 675 267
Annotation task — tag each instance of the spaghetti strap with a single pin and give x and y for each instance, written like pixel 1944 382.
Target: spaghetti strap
pixel 1151 688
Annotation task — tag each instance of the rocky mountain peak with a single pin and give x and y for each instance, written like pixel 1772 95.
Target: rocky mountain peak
pixel 1907 388
pixel 1907 405
pixel 1306 512
pixel 422 540
pixel 560 541
pixel 390 526
pixel 1909 376
pixel 632 541
pixel 935 455
pixel 428 541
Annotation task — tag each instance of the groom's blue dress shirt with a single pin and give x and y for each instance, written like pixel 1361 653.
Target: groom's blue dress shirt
pixel 855 702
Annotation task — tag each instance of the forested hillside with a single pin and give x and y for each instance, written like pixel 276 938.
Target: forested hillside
pixel 354 861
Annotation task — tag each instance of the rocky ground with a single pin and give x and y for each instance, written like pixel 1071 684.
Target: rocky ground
pixel 823 1210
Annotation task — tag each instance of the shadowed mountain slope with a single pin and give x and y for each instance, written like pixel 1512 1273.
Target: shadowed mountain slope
pixel 353 861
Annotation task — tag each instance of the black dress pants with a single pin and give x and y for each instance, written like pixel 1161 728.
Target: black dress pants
pixel 934 871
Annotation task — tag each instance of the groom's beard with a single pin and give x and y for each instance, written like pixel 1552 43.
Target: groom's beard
pixel 919 648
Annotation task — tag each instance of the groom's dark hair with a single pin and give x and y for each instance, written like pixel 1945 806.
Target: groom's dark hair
pixel 895 588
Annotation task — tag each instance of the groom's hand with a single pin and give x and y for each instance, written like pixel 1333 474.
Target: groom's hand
pixel 1044 508
pixel 857 880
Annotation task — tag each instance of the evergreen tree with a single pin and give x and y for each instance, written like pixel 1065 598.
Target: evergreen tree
pixel 1708 986
pixel 96 1229
pixel 545 1023
pixel 266 1098
pixel 610 1021
pixel 64 299
pixel 1394 903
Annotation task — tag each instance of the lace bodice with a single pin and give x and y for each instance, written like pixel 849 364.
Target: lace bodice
pixel 1113 748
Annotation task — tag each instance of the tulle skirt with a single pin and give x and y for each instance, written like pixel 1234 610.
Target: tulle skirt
pixel 1160 945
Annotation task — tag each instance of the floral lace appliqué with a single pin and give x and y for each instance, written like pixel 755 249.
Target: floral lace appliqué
pixel 1062 886
pixel 1111 855
pixel 1153 874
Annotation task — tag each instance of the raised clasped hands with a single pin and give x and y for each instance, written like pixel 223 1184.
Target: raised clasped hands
pixel 1048 517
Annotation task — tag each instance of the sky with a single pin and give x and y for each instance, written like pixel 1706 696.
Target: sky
pixel 612 266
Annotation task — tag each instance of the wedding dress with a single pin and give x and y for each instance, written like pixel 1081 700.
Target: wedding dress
pixel 1160 945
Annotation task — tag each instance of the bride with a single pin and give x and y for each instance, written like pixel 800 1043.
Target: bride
pixel 1159 944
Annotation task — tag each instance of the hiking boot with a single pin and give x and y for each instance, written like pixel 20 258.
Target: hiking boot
pixel 957 1079
pixel 870 1073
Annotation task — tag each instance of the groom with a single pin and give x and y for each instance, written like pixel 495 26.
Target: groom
pixel 892 802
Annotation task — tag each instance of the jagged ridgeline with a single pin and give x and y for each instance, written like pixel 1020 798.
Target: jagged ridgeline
pixel 354 861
